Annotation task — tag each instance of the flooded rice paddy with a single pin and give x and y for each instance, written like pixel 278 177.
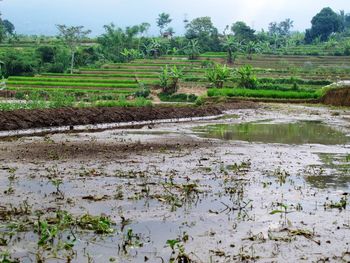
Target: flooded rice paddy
pixel 259 185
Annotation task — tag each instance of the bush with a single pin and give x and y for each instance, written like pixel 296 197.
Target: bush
pixel 255 93
pixel 56 68
pixel 181 97
pixel 143 92
pixel 199 101
pixel 169 78
pixel 218 74
pixel 246 77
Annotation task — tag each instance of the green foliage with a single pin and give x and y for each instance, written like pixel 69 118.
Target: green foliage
pixel 17 63
pixel 218 74
pixel 269 94
pixel 163 21
pixel 143 92
pixel 246 77
pixel 192 49
pixel 72 38
pixel 115 40
pixel 180 97
pixel 203 30
pixel 324 24
pixel 233 47
pixel 122 102
pixel 169 78
pixel 130 54
pixel 71 84
pixel 242 32
pixel 282 28
pixel 99 224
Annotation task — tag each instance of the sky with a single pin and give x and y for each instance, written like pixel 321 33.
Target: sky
pixel 41 16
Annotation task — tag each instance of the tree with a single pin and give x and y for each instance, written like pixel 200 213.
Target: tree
pixel 154 48
pixel 242 32
pixel 323 24
pixel 72 37
pixel 9 27
pixel 192 49
pixel 169 79
pixel 203 30
pixel 232 46
pixel 218 75
pixel 163 21
pixel 250 48
pixel 143 28
pixel 282 28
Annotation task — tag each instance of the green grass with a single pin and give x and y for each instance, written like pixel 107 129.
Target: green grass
pixel 70 84
pixel 138 102
pixel 76 91
pixel 177 97
pixel 131 75
pixel 256 93
pixel 70 80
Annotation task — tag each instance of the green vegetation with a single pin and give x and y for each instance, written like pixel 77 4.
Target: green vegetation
pixel 180 97
pixel 261 93
pixel 123 61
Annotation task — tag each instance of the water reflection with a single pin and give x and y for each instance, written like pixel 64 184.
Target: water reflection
pixel 303 132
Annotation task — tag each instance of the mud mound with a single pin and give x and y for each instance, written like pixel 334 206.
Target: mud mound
pixel 27 119
pixel 337 97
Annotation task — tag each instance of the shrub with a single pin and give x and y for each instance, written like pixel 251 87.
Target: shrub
pixel 169 78
pixel 56 68
pixel 246 77
pixel 181 97
pixel 257 93
pixel 143 92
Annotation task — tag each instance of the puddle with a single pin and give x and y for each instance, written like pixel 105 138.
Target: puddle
pixel 302 132
pixel 334 172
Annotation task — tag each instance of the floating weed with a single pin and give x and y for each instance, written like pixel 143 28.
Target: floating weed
pixel 239 167
pixel 290 234
pixel 178 251
pixel 283 211
pixel 5 257
pixel 57 183
pixel 131 240
pixel 281 175
pixel 100 224
pixel 338 205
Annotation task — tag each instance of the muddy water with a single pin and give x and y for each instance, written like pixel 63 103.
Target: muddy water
pixel 301 132
pixel 277 196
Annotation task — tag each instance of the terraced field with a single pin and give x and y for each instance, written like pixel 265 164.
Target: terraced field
pixel 275 73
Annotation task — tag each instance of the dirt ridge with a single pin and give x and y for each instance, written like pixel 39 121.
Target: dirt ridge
pixel 41 118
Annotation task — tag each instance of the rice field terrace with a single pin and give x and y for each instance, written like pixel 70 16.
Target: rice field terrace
pixel 280 77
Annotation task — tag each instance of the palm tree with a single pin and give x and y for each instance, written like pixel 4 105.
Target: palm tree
pixel 232 46
pixel 192 49
pixel 250 48
pixel 153 49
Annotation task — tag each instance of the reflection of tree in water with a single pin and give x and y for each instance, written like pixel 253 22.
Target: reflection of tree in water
pixel 288 133
pixel 329 181
pixel 337 176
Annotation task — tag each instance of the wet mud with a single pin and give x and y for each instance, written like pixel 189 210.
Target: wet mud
pixel 167 193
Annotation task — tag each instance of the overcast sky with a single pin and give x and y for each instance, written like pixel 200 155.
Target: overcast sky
pixel 41 16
